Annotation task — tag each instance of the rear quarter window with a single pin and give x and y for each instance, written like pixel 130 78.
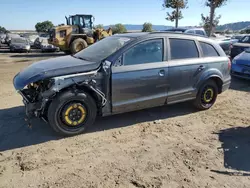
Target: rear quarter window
pixel 208 50
pixel 183 49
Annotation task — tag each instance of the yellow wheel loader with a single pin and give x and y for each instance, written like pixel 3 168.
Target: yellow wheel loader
pixel 77 34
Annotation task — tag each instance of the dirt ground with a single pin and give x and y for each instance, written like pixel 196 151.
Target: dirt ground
pixel 172 146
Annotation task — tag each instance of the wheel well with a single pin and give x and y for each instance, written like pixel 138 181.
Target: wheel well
pixel 218 82
pixel 87 90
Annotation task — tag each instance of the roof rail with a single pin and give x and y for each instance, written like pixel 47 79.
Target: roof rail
pixel 178 33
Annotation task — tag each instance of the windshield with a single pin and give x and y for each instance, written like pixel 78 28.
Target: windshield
pixel 245 39
pixel 19 40
pixel 103 48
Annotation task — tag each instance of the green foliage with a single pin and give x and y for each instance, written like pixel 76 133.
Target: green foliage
pixel 118 28
pixel 215 3
pixel 99 26
pixel 212 21
pixel 176 14
pixel 245 31
pixel 3 30
pixel 44 26
pixel 147 27
pixel 205 22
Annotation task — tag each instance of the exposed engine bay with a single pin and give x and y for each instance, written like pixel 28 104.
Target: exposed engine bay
pixel 38 95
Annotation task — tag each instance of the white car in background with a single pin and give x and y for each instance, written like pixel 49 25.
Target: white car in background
pixel 46 47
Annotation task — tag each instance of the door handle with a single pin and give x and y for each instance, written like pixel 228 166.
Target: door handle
pixel 201 68
pixel 161 73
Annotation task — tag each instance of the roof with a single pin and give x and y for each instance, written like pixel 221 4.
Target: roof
pixel 167 34
pixel 141 34
pixel 132 35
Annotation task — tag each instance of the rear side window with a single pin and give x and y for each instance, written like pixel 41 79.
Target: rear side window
pixel 183 49
pixel 208 50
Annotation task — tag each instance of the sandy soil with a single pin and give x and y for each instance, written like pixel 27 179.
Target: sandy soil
pixel 171 146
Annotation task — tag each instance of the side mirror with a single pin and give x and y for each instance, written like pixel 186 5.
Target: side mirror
pixel 118 62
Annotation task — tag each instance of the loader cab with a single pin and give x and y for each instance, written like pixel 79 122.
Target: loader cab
pixel 81 20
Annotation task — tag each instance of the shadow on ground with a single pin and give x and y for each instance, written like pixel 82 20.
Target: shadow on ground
pixel 15 132
pixel 236 148
pixel 240 84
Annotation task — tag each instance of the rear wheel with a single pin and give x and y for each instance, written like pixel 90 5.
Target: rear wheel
pixel 207 95
pixel 71 113
pixel 77 45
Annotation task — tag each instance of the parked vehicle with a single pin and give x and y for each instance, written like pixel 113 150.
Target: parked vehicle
pixel 195 31
pixel 240 46
pixel 237 37
pixel 123 73
pixel 2 38
pixel 37 42
pixel 19 45
pixel 31 39
pixel 44 35
pixel 226 45
pixel 46 47
pixel 78 34
pixel 241 65
pixel 9 36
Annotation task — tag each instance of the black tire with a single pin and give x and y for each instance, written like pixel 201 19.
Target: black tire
pixel 57 106
pixel 202 102
pixel 77 45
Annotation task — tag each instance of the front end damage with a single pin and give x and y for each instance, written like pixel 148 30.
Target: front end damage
pixel 38 95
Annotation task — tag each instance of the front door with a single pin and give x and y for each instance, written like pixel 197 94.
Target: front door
pixel 141 79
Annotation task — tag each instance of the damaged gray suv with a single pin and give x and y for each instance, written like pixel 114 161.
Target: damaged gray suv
pixel 123 73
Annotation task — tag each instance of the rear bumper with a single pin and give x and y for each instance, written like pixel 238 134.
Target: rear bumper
pixel 240 72
pixel 226 84
pixel 240 75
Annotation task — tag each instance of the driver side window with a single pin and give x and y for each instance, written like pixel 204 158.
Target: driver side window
pixel 150 51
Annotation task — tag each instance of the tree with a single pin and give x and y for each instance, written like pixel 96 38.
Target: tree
pixel 118 28
pixel 99 26
pixel 147 27
pixel 212 19
pixel 206 23
pixel 176 14
pixel 44 26
pixel 3 30
pixel 245 31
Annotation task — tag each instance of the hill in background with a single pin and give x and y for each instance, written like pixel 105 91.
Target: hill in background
pixel 231 26
pixel 234 26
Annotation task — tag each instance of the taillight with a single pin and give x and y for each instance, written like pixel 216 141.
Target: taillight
pixel 229 63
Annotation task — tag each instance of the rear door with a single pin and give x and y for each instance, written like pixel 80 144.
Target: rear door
pixel 139 79
pixel 184 68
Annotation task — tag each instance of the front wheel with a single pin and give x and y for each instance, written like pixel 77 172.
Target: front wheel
pixel 207 95
pixel 71 113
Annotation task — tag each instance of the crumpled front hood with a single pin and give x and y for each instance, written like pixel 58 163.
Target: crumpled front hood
pixel 243 59
pixel 50 68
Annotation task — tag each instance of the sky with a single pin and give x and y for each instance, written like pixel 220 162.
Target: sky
pixel 24 14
